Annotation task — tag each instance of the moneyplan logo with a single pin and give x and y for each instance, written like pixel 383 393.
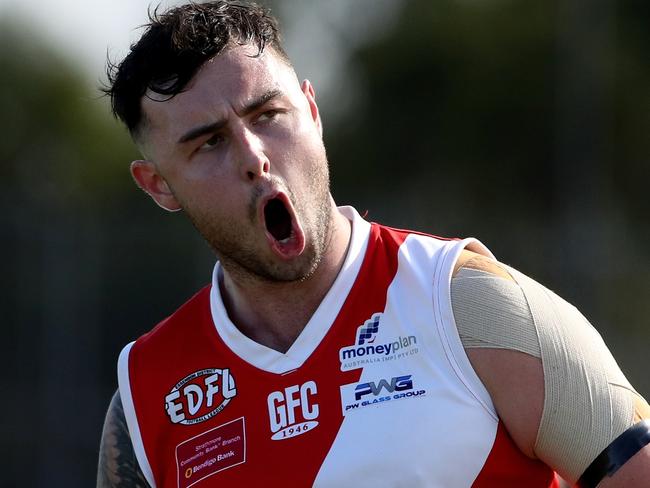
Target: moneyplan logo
pixel 367 349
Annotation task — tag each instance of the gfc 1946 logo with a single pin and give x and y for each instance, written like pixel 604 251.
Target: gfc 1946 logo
pixel 200 396
pixel 293 411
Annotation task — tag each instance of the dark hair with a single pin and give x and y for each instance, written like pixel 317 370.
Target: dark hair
pixel 175 45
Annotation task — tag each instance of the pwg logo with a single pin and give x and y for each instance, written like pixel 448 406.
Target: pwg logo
pixel 355 396
pixel 293 410
pixel 398 383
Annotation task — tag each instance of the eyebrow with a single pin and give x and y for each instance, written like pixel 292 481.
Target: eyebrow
pixel 247 109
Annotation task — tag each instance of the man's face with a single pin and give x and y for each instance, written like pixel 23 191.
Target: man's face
pixel 241 152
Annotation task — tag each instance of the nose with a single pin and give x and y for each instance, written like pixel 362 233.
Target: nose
pixel 253 160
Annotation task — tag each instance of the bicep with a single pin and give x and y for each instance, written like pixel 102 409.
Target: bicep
pixel 118 466
pixel 518 399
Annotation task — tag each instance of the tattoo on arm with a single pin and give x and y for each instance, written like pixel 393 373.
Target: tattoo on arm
pixel 118 466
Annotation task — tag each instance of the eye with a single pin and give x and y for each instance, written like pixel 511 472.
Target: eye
pixel 214 141
pixel 268 115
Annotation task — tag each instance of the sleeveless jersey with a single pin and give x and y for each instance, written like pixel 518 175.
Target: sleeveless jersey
pixel 376 390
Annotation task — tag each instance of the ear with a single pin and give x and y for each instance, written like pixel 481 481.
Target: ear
pixel 148 178
pixel 308 90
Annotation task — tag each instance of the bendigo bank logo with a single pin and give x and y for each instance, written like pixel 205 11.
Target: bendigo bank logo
pixel 293 411
pixel 200 396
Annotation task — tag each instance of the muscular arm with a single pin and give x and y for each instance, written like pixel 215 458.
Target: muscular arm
pixel 118 466
pixel 520 400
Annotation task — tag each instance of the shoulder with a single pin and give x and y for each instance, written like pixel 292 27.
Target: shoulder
pixel 479 262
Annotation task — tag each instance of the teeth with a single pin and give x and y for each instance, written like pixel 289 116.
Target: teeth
pixel 287 239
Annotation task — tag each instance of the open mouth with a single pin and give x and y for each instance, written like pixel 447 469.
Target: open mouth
pixel 278 220
pixel 283 230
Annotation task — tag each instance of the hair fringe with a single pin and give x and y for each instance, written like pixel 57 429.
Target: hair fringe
pixel 176 43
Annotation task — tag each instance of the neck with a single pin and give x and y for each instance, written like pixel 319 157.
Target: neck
pixel 259 308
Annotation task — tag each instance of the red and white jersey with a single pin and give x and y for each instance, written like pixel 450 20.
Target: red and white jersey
pixel 376 390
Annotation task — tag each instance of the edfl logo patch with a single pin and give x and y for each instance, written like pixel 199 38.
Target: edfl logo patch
pixel 200 396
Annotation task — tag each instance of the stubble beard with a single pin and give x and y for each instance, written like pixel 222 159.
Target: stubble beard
pixel 233 243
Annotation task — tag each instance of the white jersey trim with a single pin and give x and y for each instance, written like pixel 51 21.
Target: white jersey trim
pixel 273 361
pixel 124 383
pixel 447 327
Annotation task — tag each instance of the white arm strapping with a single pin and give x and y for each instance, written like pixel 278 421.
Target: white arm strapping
pixel 588 401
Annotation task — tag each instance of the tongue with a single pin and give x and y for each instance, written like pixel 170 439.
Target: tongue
pixel 278 220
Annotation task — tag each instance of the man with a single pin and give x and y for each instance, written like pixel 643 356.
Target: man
pixel 329 351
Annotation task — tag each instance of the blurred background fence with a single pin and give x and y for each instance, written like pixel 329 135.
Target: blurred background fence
pixel 523 123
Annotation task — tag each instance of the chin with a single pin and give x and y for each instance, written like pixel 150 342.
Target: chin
pixel 298 269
